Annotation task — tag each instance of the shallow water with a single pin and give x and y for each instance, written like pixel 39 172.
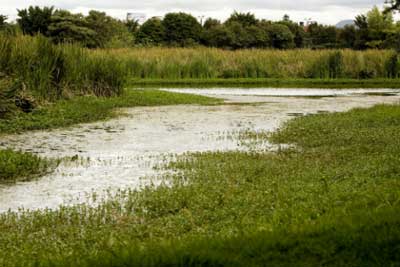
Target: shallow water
pixel 122 152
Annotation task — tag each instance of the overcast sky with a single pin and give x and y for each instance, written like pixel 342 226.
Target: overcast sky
pixel 323 11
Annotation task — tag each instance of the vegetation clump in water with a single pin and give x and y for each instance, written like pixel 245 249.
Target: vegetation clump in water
pixel 18 165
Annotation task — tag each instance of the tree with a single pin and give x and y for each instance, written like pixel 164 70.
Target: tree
pixel 211 23
pixel 281 37
pixel 322 36
pixel 132 25
pixel 258 37
pixel 35 19
pixel 347 36
pixel 66 27
pixel 181 29
pixel 245 19
pixel 297 31
pixel 105 27
pixel 3 22
pixel 362 33
pixel 151 32
pixel 218 36
pixel 379 24
pixel 393 5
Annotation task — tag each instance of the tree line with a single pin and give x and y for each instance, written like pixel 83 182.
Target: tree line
pixel 376 29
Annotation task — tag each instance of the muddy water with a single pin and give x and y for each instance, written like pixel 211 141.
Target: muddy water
pixel 122 152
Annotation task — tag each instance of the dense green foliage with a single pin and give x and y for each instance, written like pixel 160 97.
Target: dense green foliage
pixel 17 165
pixel 333 200
pixel 151 32
pixel 375 29
pixel 181 29
pixel 95 30
pixel 210 63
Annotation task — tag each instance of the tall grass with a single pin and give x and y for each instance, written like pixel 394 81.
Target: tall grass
pixel 45 71
pixel 205 63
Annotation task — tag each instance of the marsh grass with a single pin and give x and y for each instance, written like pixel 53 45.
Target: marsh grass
pixel 18 166
pixel 333 200
pixel 209 63
pixel 49 72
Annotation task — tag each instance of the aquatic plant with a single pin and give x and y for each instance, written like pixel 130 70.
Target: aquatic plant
pixel 18 165
pixel 332 199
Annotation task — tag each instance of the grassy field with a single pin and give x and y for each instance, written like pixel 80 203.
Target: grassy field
pixel 334 200
pixel 266 82
pixel 209 63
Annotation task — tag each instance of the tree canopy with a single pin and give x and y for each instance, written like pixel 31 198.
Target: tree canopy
pixel 375 29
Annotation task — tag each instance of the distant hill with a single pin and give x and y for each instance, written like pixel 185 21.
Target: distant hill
pixel 344 23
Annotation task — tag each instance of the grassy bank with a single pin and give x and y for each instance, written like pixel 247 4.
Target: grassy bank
pixel 267 82
pixel 332 201
pixel 76 110
pixel 208 63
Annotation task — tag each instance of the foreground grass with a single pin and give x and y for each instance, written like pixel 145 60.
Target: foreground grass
pixel 333 201
pixel 88 109
pixel 269 82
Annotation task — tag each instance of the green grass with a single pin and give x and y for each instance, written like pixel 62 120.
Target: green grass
pixel 268 82
pixel 17 166
pixel 211 63
pixel 332 201
pixel 65 113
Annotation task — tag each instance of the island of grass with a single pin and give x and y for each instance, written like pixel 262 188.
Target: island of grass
pixel 332 199
pixel 17 166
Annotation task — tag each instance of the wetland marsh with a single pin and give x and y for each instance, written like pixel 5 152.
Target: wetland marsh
pixel 123 152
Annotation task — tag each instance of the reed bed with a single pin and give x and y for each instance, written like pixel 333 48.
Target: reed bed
pixel 37 68
pixel 211 63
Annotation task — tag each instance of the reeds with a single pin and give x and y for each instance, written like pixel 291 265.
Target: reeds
pixel 204 63
pixel 49 72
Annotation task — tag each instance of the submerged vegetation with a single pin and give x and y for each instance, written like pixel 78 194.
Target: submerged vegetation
pixel 332 200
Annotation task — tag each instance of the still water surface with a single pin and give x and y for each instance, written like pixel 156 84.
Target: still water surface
pixel 122 152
